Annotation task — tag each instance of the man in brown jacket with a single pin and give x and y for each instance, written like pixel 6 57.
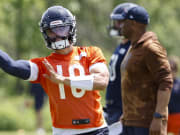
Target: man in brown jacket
pixel 146 77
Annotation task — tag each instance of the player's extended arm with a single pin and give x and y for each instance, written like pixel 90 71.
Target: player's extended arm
pixel 98 79
pixel 19 68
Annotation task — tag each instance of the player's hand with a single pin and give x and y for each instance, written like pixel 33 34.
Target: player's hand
pixel 53 75
pixel 155 127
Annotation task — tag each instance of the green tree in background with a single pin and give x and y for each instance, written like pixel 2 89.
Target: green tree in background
pixel 21 38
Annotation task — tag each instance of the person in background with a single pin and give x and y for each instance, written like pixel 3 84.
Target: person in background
pixel 113 108
pixel 38 94
pixel 174 104
pixel 146 78
pixel 71 76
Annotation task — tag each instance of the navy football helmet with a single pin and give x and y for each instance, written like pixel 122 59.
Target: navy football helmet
pixel 119 13
pixel 59 21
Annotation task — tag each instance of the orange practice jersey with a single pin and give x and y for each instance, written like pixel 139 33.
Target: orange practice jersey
pixel 66 103
pixel 174 123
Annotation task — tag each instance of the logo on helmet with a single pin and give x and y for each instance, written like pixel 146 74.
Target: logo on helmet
pixel 55 23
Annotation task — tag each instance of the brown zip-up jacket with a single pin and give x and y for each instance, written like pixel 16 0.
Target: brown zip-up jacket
pixel 144 70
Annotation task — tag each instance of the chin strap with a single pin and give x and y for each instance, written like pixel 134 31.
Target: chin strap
pixel 60 44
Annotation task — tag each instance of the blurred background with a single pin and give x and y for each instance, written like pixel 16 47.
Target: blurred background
pixel 20 38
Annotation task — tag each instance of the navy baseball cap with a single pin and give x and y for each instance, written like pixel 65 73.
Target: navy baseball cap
pixel 131 11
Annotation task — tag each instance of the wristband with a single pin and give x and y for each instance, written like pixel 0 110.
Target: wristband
pixel 82 82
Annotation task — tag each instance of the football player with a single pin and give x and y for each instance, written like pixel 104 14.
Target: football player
pixel 71 76
pixel 174 103
pixel 113 109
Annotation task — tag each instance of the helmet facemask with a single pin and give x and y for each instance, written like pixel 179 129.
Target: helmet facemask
pixel 119 14
pixel 114 29
pixel 61 33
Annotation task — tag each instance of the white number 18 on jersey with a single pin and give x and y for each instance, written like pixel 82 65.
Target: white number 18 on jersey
pixel 75 93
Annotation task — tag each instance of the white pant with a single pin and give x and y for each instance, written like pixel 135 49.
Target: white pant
pixel 115 128
pixel 60 131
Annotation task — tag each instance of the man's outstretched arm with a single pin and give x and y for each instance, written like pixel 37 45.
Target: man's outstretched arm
pixel 19 68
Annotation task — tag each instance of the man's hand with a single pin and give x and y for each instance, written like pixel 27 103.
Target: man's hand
pixel 53 76
pixel 155 127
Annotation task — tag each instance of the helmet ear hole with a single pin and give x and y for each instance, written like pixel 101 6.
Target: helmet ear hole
pixel 54 17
